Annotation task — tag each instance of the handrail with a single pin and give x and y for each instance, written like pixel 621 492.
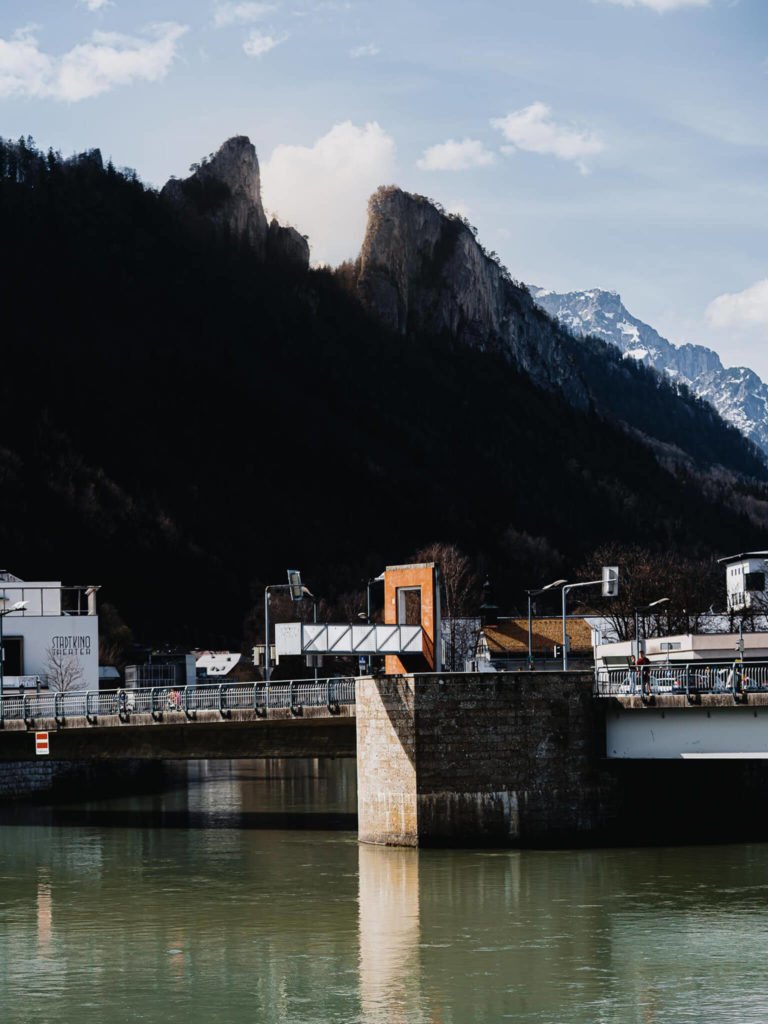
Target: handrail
pixel 683 678
pixel 294 694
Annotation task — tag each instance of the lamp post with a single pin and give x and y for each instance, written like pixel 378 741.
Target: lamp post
pixel 610 584
pixel 298 592
pixel 18 606
pixel 368 610
pixel 644 608
pixel 531 594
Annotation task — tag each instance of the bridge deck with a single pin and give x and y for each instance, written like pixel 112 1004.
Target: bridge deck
pixel 292 719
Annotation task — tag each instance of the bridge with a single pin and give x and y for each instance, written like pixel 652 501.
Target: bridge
pixel 227 720
pixel 515 758
pixel 694 710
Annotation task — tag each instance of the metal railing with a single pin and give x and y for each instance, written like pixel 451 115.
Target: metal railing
pixel 221 697
pixel 735 677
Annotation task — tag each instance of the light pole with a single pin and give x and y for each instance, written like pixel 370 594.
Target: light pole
pixel 19 606
pixel 368 610
pixel 298 593
pixel 531 594
pixel 610 584
pixel 644 608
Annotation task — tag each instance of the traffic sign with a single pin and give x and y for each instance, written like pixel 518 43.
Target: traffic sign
pixel 41 743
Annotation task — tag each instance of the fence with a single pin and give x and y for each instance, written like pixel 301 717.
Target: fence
pixel 683 679
pixel 221 697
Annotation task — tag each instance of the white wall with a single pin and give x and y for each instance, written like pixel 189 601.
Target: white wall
pixel 74 636
pixel 697 732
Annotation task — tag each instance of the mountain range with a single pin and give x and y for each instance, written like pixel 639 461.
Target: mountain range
pixel 189 407
pixel 738 394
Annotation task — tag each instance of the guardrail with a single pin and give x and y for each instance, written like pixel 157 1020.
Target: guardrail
pixel 221 697
pixel 736 677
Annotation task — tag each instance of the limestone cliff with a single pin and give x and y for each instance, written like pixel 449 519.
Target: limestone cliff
pixel 225 190
pixel 424 271
pixel 286 246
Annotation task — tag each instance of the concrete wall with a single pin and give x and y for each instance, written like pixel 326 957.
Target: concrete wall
pixel 711 731
pixel 208 736
pixel 478 759
pixel 75 779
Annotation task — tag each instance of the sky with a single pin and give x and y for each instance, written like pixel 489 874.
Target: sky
pixel 618 144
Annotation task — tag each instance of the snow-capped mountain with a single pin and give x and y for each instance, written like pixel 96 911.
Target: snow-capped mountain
pixel 737 393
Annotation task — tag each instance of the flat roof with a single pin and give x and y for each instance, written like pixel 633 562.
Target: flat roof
pixel 744 554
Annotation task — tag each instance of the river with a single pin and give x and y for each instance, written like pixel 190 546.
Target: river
pixel 214 902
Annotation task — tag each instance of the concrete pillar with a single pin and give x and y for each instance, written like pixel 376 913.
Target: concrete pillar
pixel 386 760
pixel 477 759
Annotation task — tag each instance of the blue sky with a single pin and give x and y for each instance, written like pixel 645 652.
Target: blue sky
pixel 594 143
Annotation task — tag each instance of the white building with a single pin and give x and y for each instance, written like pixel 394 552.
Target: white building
pixel 745 577
pixel 216 663
pixel 51 640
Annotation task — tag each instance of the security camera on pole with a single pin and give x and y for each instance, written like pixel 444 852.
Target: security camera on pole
pixel 609 581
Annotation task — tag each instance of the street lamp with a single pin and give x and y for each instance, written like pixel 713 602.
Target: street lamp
pixel 609 581
pixel 18 606
pixel 644 608
pixel 531 594
pixel 298 593
pixel 368 611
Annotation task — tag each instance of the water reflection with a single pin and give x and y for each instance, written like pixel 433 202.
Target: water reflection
pixel 289 926
pixel 44 915
pixel 390 935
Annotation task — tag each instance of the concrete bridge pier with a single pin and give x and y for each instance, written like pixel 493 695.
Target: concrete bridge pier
pixel 510 759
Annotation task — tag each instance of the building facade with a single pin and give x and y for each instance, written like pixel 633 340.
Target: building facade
pixel 50 635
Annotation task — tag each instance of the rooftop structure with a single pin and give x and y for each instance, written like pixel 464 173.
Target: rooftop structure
pixel 745 577
pixel 507 640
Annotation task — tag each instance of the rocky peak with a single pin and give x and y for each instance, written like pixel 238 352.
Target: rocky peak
pixel 422 270
pixel 737 393
pixel 225 189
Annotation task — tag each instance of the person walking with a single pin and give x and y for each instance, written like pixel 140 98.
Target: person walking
pixel 644 668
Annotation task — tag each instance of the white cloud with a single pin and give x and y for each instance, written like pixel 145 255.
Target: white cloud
pixel 369 50
pixel 323 189
pixel 662 6
pixel 88 69
pixel 455 156
pixel 240 13
pixel 533 130
pixel 259 43
pixel 96 5
pixel 740 309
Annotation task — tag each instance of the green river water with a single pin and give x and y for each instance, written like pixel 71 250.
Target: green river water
pixel 213 902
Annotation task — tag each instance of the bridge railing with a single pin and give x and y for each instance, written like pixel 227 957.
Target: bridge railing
pixel 221 697
pixel 736 677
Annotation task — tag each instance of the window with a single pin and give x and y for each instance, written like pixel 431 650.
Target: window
pixel 409 606
pixel 755 581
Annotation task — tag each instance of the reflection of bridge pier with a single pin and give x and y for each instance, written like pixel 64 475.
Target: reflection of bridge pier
pixel 390 933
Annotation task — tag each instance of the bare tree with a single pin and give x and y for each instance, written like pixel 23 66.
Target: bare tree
pixel 459 584
pixel 692 587
pixel 63 671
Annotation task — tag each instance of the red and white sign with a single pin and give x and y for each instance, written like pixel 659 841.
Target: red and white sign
pixel 41 743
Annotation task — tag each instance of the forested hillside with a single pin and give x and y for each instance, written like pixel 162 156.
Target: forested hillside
pixel 183 421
